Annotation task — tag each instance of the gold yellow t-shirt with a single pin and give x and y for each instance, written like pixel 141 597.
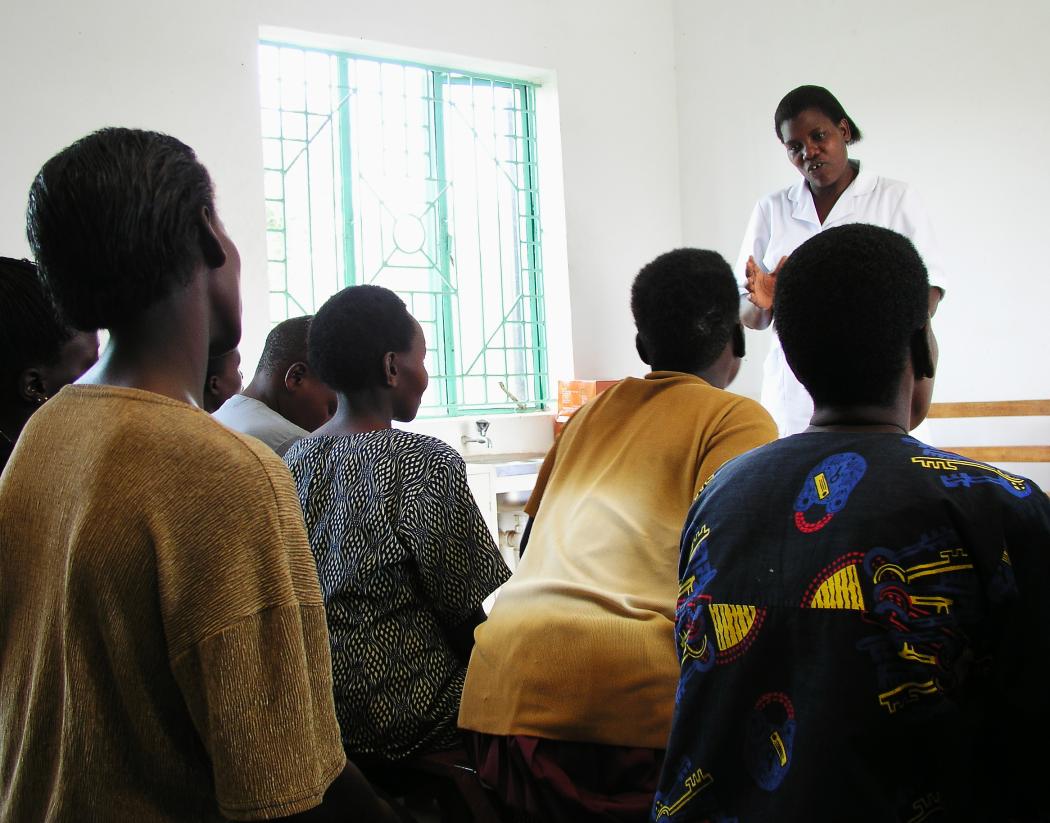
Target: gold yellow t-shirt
pixel 580 642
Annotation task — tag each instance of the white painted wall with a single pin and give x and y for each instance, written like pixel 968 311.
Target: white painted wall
pixel 190 70
pixel 951 96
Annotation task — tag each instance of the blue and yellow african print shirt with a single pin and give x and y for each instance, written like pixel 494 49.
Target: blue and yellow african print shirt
pixel 861 634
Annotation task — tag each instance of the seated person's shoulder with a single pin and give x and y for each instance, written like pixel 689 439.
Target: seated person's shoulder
pixel 237 449
pixel 739 410
pixel 176 439
pixel 739 404
pixel 685 403
pixel 201 451
pixel 981 482
pixel 757 465
pixel 431 449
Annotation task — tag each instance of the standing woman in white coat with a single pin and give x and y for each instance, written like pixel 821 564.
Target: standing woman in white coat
pixel 834 190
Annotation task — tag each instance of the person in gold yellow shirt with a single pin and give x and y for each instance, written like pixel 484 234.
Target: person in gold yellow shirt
pixel 570 687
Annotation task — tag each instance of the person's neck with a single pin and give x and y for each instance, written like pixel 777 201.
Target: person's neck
pixel 163 350
pixel 718 374
pixel 364 411
pixel 860 418
pixel 264 389
pixel 824 199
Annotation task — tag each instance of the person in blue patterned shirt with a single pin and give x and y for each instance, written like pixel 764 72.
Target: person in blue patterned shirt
pixel 860 623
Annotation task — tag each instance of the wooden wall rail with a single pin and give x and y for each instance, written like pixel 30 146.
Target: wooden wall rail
pixel 998 408
pixel 1003 454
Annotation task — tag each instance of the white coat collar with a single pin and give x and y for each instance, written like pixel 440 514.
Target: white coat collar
pixel 801 198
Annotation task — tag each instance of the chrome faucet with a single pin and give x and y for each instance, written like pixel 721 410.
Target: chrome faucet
pixel 483 427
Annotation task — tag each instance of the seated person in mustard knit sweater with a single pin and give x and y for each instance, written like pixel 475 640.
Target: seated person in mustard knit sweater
pixel 862 619
pixel 403 554
pixel 571 683
pixel 163 652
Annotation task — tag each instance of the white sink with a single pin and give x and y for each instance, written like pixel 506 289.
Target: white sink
pixel 513 475
pixel 513 501
pixel 509 464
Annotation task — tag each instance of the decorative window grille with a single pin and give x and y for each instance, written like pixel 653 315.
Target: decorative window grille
pixel 424 180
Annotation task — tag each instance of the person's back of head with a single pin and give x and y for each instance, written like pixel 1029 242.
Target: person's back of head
pixel 685 305
pixel 41 353
pixel 30 333
pixel 284 379
pixel 851 309
pixel 115 222
pixel 364 341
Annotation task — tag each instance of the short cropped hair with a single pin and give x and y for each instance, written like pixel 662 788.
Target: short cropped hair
pixel 799 100
pixel 352 331
pixel 285 344
pixel 685 304
pixel 30 333
pixel 114 221
pixel 847 305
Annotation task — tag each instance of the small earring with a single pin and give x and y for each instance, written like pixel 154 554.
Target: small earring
pixel 40 399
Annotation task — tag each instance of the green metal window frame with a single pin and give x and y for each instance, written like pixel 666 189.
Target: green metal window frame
pixel 500 366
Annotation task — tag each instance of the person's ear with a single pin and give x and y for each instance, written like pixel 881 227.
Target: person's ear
pixel 739 345
pixel 922 359
pixel 639 346
pixel 847 132
pixel 295 375
pixel 211 246
pixel 390 369
pixel 213 384
pixel 31 386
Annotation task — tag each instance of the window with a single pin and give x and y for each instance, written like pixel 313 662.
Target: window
pixel 421 179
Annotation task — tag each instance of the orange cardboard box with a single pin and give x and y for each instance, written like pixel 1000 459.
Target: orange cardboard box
pixel 572 394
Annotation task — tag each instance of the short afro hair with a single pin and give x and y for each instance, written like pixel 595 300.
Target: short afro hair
pixel 352 332
pixel 285 344
pixel 685 305
pixel 799 100
pixel 30 331
pixel 114 222
pixel 847 304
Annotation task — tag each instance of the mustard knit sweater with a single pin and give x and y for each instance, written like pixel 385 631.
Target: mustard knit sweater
pixel 163 651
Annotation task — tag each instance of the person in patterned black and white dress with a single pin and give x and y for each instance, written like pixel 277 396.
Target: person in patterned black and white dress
pixel 403 555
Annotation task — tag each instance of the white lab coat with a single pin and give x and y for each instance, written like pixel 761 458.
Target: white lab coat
pixel 784 220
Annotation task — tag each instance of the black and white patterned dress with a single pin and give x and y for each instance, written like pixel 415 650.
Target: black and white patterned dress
pixel 402 553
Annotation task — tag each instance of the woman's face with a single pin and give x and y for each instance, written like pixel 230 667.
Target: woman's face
pixel 817 147
pixel 412 377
